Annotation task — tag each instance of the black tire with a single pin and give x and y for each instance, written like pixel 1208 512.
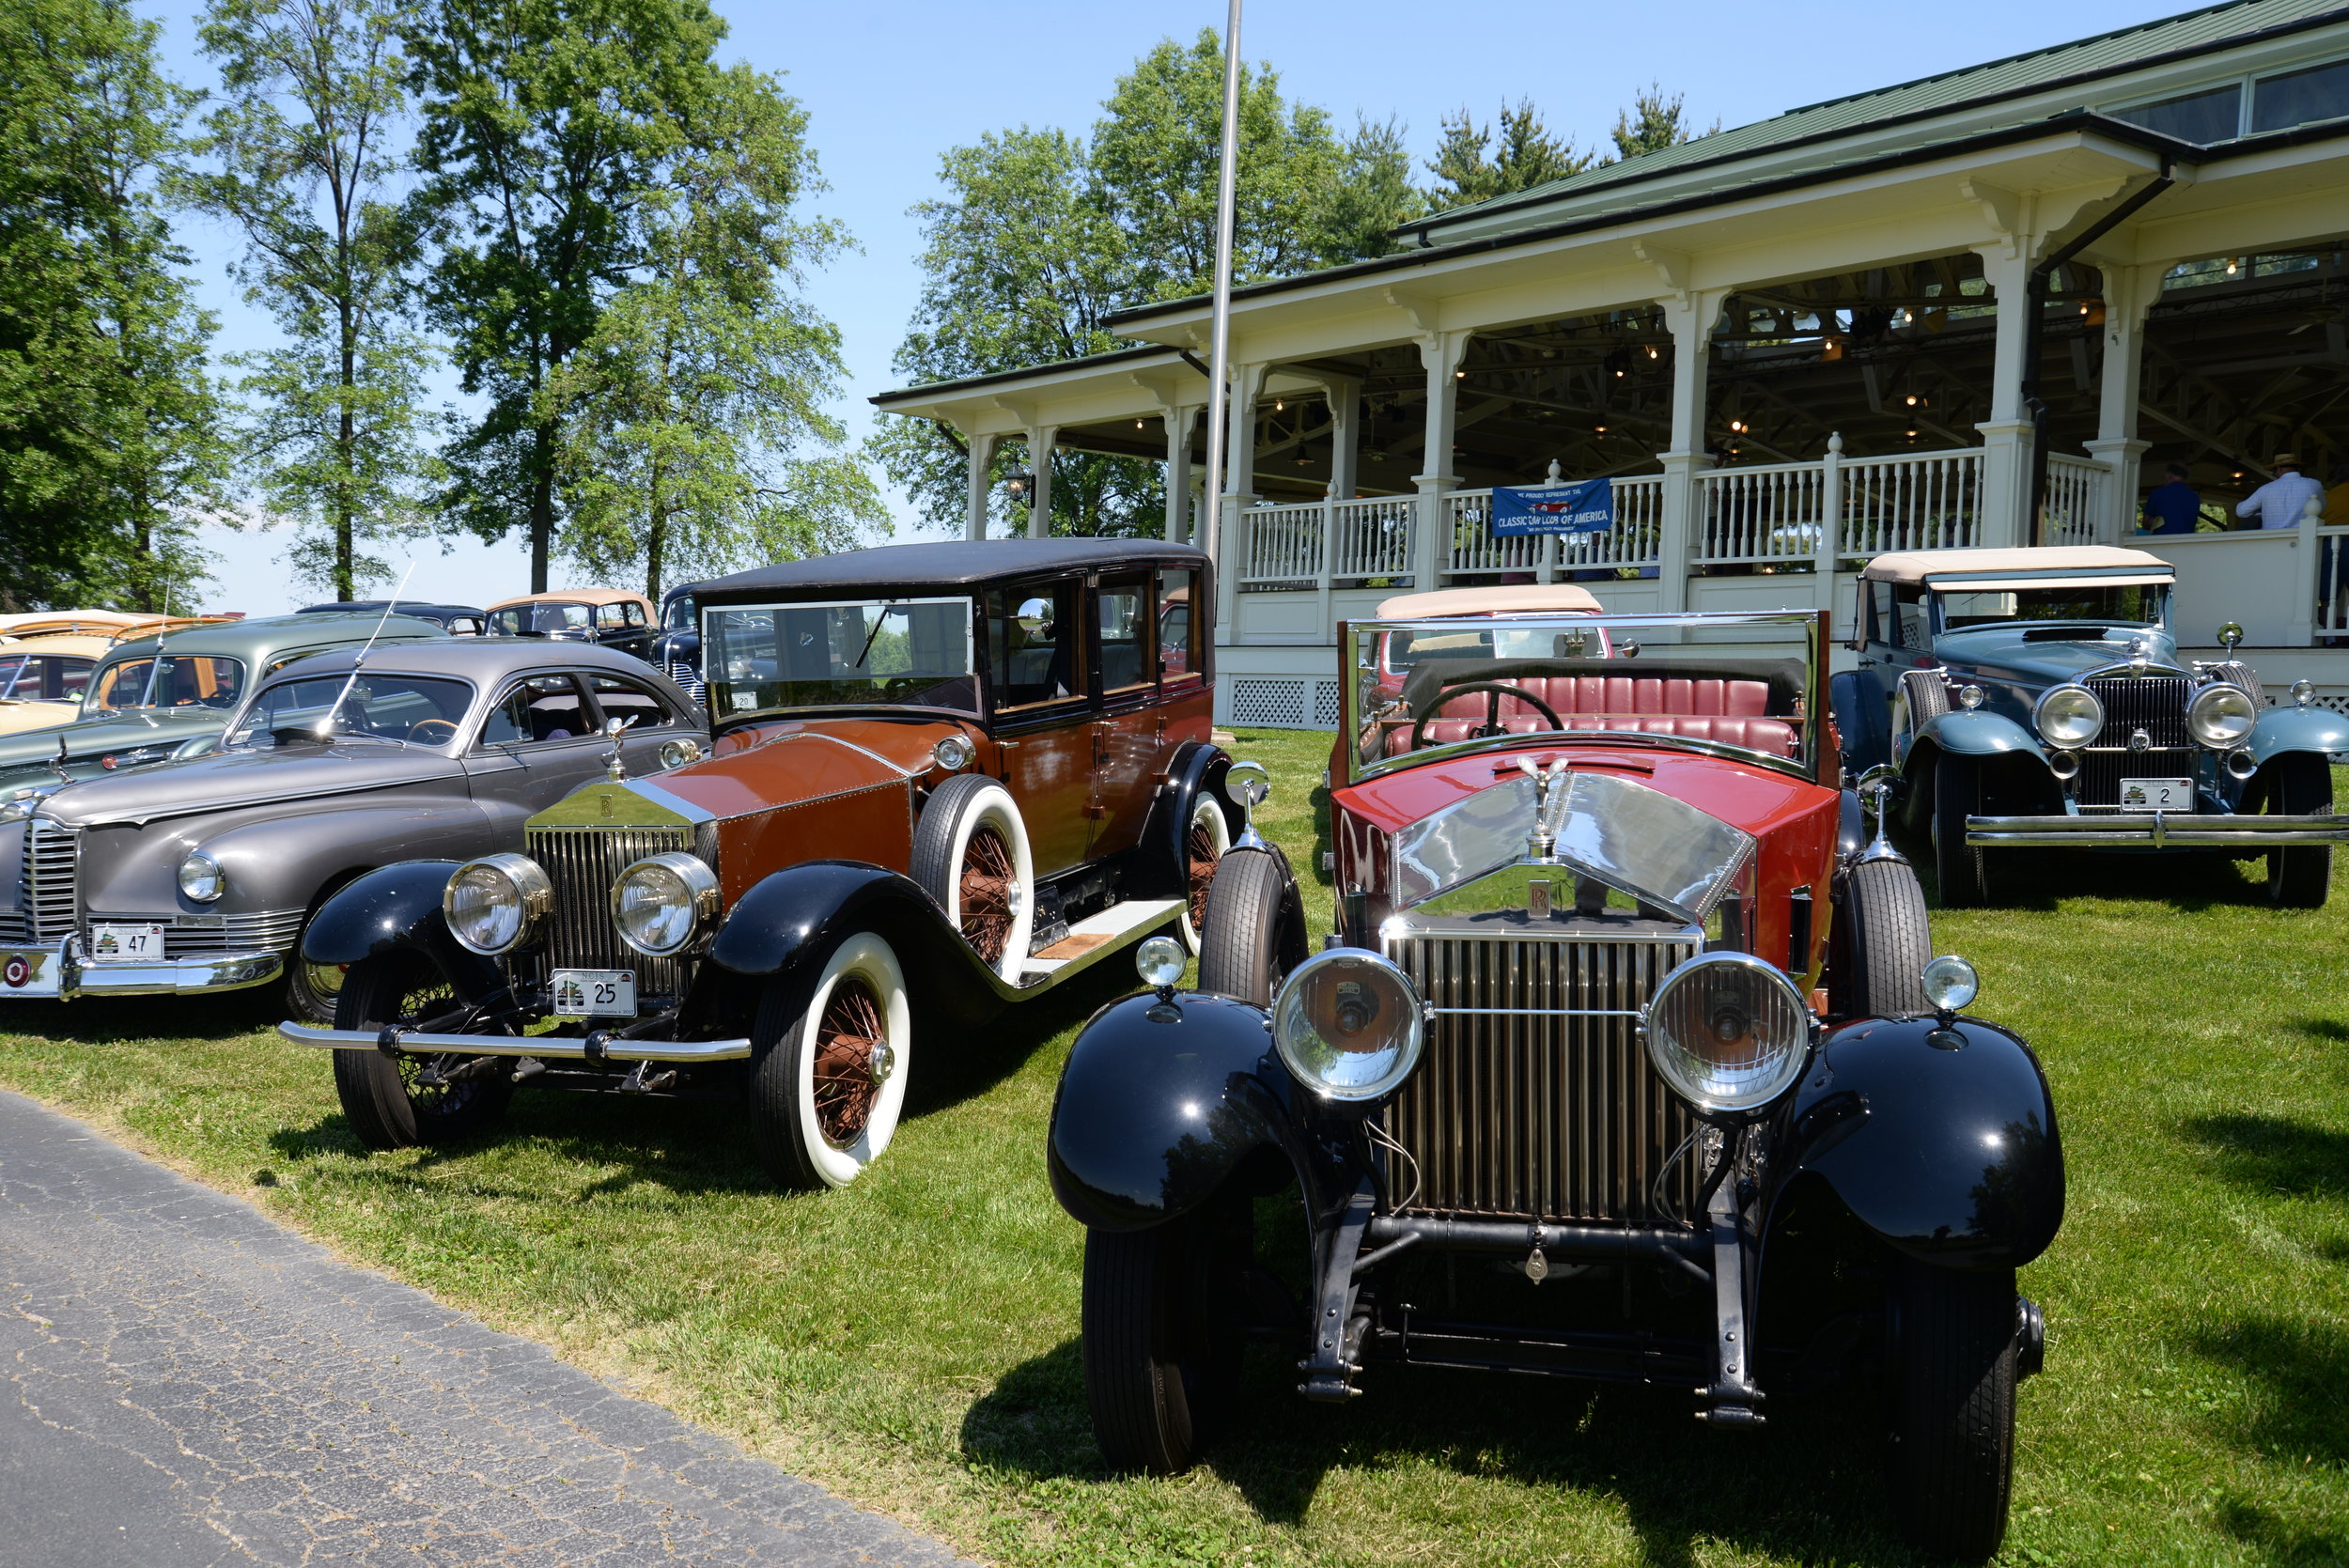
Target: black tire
pixel 1952 1462
pixel 387 1105
pixel 971 854
pixel 312 990
pixel 1253 932
pixel 2301 876
pixel 819 1112
pixel 1887 940
pixel 1161 1377
pixel 1962 872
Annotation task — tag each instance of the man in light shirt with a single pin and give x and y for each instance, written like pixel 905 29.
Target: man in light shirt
pixel 2281 500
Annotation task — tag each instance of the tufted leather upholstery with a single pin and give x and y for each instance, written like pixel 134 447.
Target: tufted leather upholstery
pixel 1733 712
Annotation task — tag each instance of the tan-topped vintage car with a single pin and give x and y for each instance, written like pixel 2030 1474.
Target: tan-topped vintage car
pixel 46 660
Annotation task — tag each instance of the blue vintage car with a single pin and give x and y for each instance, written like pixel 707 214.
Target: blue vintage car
pixel 2035 697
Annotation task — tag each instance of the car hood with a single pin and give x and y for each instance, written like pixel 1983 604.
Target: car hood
pixel 225 780
pixel 133 730
pixel 2009 648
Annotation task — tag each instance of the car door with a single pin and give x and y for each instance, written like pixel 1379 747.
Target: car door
pixel 537 742
pixel 1042 707
pixel 1127 728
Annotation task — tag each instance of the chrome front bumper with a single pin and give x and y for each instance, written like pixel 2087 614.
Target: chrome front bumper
pixel 562 1048
pixel 2156 829
pixel 60 973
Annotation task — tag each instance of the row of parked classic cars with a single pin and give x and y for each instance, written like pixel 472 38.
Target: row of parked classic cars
pixel 1624 1054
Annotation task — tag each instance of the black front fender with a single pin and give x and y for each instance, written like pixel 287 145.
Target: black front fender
pixel 1943 1143
pixel 391 907
pixel 1159 1104
pixel 1166 851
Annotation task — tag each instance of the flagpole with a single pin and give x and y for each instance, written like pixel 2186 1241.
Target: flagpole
pixel 1220 352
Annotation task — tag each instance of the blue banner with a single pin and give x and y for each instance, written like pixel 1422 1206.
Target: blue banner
pixel 1585 508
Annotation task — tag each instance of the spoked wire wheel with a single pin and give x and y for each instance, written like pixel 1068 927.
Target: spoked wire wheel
pixel 971 854
pixel 1204 844
pixel 989 885
pixel 397 1102
pixel 828 1065
pixel 852 1058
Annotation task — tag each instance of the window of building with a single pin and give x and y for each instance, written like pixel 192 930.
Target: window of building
pixel 2300 97
pixel 2205 116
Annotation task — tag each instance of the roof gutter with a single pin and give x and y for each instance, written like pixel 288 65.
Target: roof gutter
pixel 2034 333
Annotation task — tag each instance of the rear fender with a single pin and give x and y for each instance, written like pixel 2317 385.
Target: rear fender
pixel 1941 1143
pixel 2283 730
pixel 396 906
pixel 1161 1104
pixel 1165 856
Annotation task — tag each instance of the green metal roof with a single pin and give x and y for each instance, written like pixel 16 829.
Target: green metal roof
pixel 1927 98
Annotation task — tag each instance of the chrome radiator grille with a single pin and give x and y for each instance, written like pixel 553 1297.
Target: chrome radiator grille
pixel 45 887
pixel 583 863
pixel 1515 1113
pixel 2155 704
pixel 689 677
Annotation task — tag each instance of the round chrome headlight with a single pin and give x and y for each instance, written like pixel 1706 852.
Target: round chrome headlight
pixel 1728 1032
pixel 953 754
pixel 1950 983
pixel 494 904
pixel 677 753
pixel 201 878
pixel 2068 716
pixel 664 902
pixel 1347 1025
pixel 1160 961
pixel 2221 714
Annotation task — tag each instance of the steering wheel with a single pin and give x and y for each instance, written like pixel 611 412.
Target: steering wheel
pixel 1494 690
pixel 447 728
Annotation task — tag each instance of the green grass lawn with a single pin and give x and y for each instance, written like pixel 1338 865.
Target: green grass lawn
pixel 911 1342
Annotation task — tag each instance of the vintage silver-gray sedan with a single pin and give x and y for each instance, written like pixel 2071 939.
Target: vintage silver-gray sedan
pixel 200 875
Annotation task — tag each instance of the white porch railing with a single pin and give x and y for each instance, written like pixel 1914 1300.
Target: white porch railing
pixel 2076 499
pixel 1910 500
pixel 1634 541
pixel 1372 537
pixel 1761 515
pixel 1306 546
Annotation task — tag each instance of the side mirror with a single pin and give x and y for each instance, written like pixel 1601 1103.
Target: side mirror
pixel 1251 784
pixel 2229 636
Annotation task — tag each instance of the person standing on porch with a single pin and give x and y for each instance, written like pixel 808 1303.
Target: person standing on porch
pixel 2282 501
pixel 2174 507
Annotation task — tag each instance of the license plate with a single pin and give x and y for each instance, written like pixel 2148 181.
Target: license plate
pixel 594 993
pixel 2157 794
pixel 116 943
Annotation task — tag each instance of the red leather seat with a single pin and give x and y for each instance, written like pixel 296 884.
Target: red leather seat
pixel 1732 712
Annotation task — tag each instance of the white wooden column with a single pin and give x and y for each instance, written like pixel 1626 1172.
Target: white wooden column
pixel 1440 356
pixel 1240 495
pixel 982 460
pixel 2006 434
pixel 1688 314
pixel 2129 292
pixel 1182 421
pixel 1345 435
pixel 1040 439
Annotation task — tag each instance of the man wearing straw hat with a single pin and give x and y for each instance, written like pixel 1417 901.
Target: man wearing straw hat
pixel 2281 500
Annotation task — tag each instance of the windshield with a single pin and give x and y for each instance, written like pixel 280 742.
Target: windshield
pixel 537 620
pixel 680 614
pixel 2109 604
pixel 412 708
pixel 182 680
pixel 1741 683
pixel 914 652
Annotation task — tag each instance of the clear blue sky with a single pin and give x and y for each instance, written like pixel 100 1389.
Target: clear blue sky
pixel 888 86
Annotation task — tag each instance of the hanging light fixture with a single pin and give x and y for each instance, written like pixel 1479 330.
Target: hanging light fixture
pixel 1019 486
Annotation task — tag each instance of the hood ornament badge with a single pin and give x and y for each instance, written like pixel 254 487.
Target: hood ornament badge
pixel 1539 842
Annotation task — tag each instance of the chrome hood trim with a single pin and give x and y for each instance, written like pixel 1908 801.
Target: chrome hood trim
pixel 1630 836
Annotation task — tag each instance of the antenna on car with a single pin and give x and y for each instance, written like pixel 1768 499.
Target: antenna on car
pixel 155 665
pixel 325 728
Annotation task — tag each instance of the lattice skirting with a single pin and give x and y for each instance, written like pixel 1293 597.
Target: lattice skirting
pixel 1280 701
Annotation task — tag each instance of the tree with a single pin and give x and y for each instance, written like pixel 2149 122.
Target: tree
pixel 546 128
pixel 694 416
pixel 110 452
pixel 1527 155
pixel 305 142
pixel 1653 123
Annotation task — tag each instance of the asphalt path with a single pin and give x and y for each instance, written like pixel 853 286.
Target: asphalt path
pixel 183 1383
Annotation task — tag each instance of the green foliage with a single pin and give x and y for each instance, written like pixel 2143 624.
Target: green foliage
pixel 694 416
pixel 111 449
pixel 1470 167
pixel 305 142
pixel 1653 123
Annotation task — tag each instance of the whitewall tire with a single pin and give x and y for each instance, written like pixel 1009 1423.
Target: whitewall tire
pixel 970 853
pixel 1205 837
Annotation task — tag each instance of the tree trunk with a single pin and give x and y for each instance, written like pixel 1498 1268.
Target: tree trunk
pixel 542 506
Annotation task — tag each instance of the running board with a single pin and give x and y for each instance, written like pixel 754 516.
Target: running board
pixel 1095 937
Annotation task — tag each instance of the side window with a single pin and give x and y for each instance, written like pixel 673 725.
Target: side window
pixel 624 699
pixel 1178 616
pixel 1122 621
pixel 611 617
pixel 536 708
pixel 69 677
pixel 1035 644
pixel 635 613
pixel 1909 611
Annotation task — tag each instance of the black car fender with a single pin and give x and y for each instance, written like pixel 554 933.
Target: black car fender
pixel 790 921
pixel 396 906
pixel 1941 1141
pixel 1196 765
pixel 1161 1103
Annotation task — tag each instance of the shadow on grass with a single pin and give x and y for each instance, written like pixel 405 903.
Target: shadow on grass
pixel 2189 881
pixel 2317 1029
pixel 2279 1541
pixel 1808 1489
pixel 2276 1154
pixel 2300 1368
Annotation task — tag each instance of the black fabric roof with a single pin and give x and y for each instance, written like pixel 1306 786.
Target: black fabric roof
pixel 955 564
